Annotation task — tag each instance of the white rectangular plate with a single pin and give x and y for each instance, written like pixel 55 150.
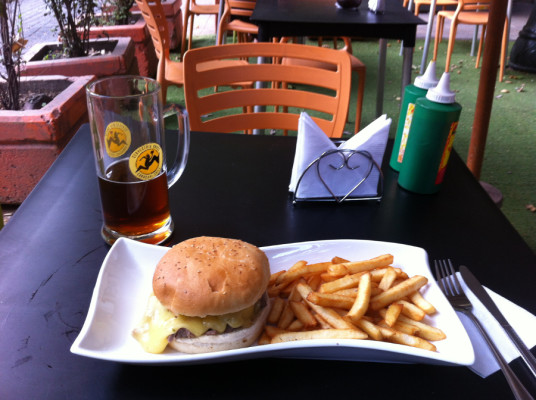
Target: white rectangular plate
pixel 124 284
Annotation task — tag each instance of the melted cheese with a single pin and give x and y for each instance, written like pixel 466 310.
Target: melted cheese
pixel 158 323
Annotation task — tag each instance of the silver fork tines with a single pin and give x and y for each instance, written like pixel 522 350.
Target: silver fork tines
pixel 451 287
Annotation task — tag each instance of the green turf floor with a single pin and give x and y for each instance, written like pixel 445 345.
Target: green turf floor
pixel 510 157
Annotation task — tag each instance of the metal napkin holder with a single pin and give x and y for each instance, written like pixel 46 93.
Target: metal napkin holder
pixel 346 155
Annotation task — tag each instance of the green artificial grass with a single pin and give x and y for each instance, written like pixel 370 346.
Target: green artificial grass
pixel 509 161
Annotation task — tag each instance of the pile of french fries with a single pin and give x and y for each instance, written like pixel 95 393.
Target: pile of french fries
pixel 343 299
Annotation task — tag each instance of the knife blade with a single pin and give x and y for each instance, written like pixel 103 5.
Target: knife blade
pixel 472 283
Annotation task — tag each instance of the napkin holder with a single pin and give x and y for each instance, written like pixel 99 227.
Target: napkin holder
pixel 346 155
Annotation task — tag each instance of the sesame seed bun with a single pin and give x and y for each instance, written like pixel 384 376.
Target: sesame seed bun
pixel 211 276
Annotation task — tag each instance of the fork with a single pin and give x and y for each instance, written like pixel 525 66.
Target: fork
pixel 450 286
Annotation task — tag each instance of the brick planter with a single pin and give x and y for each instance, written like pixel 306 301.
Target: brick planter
pixel 138 32
pixel 172 10
pixel 30 140
pixel 119 59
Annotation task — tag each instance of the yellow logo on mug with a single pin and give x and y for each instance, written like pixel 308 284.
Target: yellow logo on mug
pixel 117 137
pixel 146 161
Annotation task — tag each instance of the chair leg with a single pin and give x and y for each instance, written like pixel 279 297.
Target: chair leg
pixel 452 39
pixel 184 31
pixel 480 46
pixel 503 51
pixel 437 38
pixel 361 73
pixel 191 31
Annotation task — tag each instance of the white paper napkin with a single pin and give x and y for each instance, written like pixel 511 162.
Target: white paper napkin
pixel 312 142
pixel 520 319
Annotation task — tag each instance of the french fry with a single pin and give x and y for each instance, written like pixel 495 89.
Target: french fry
pixel 274 276
pixel 367 265
pixel 397 292
pixel 264 339
pixel 426 331
pixel 271 330
pixel 406 328
pixel 410 310
pixel 388 279
pixel 314 281
pixel 361 303
pixel 303 314
pixel 370 329
pixel 422 303
pixel 319 334
pixel 392 313
pixel 331 300
pixel 402 338
pixel 349 299
pixel 345 282
pixel 278 305
pixel 331 317
pixel 300 270
pixel 286 317
pixel 338 260
pixel 281 277
pixel 337 270
pixel 377 274
pixel 323 323
pixel 295 326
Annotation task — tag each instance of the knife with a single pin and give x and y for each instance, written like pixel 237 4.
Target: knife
pixel 479 291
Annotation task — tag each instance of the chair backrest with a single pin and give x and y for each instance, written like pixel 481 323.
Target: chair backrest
pixel 473 5
pixel 241 8
pixel 324 94
pixel 155 18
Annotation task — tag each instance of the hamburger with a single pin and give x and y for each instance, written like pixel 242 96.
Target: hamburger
pixel 209 294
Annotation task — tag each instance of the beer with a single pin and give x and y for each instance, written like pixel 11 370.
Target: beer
pixel 133 207
pixel 128 144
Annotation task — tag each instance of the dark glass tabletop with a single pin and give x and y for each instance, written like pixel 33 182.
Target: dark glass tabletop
pixel 234 186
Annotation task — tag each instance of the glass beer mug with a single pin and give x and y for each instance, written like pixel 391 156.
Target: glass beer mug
pixel 127 127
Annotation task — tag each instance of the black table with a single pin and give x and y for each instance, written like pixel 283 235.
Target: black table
pixel 277 18
pixel 234 186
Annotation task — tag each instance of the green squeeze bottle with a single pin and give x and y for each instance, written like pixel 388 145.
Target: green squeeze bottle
pixel 411 93
pixel 430 139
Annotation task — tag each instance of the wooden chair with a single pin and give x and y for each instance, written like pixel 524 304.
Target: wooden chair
pixel 468 12
pixel 313 89
pixel 169 72
pixel 357 66
pixel 235 17
pixel 192 9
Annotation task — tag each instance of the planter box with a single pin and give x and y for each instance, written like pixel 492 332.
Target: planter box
pixel 30 140
pixel 172 9
pixel 138 32
pixel 119 59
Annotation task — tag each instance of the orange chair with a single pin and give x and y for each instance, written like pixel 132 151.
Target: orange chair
pixel 468 12
pixel 357 66
pixel 168 72
pixel 235 17
pixel 439 3
pixel 192 9
pixel 218 112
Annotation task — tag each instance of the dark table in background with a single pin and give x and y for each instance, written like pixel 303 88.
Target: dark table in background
pixel 277 18
pixel 234 186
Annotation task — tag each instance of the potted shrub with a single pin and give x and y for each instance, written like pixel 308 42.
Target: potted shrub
pixel 75 54
pixel 117 20
pixel 38 115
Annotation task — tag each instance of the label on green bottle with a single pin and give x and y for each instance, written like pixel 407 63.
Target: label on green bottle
pixel 446 153
pixel 405 132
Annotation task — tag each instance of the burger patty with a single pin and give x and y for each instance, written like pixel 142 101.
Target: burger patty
pixel 184 333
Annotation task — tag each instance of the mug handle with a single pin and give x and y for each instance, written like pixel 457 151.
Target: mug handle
pixel 183 144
